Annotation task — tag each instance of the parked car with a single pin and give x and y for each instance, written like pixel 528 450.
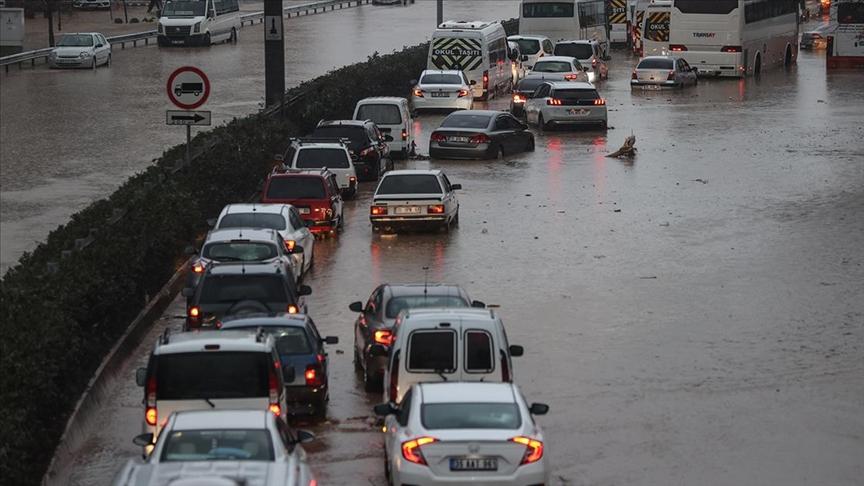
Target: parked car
pixel 221 448
pixel 657 72
pixel 566 104
pixel 445 433
pixel 431 345
pixel 300 346
pixel 85 49
pixel 392 117
pixel 534 47
pixel 284 218
pixel 198 22
pixel 589 55
pixel 521 93
pixel 94 4
pixel 414 199
pixel 237 289
pixel 479 134
pixel 205 371
pixel 366 144
pixel 323 153
pixel 559 68
pixel 373 329
pixel 442 89
pixel 813 40
pixel 315 194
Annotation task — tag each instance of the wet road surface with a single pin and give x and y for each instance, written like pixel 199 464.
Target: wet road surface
pixel 692 316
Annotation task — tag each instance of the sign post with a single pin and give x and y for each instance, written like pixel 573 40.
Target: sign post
pixel 274 53
pixel 188 88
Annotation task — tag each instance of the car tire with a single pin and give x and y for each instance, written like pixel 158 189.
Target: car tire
pixel 541 123
pixel 530 147
pixel 456 218
pixel 233 38
pixel 206 41
pixel 108 61
pixel 93 65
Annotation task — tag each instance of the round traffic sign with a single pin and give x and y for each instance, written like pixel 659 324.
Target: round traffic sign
pixel 188 87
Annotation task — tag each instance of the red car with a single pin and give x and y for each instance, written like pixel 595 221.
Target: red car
pixel 315 194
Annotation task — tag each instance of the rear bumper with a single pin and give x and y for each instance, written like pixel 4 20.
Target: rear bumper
pixel 304 399
pixel 526 475
pixel 635 84
pixel 323 226
pixel 438 151
pixel 593 117
pixel 429 103
pixel 423 221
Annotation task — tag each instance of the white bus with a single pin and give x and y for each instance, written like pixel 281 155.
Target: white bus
pixel 566 20
pixel 655 30
pixel 735 37
pixel 479 49
pixel 846 35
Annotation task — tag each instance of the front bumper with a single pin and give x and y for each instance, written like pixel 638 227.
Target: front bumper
pixel 453 151
pixel 70 62
pixel 184 40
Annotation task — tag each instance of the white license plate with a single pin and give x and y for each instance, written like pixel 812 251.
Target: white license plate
pixel 578 111
pixel 473 464
pixel 440 95
pixel 408 210
pixel 303 210
pixel 458 139
pixel 650 86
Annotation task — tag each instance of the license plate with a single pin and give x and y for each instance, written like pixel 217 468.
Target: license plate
pixel 458 139
pixel 578 111
pixel 408 210
pixel 440 95
pixel 178 42
pixel 473 464
pixel 303 210
pixel 650 86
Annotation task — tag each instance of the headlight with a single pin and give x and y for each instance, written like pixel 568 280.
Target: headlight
pixel 84 54
pixel 197 27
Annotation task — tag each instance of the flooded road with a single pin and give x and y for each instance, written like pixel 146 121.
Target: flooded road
pixel 692 316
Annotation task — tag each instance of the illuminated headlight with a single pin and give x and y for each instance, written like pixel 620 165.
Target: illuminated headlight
pixel 84 54
pixel 197 27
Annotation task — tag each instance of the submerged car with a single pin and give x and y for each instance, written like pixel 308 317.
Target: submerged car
pixel 657 72
pixel 566 104
pixel 813 40
pixel 442 89
pixel 87 50
pixel 414 199
pixel 559 68
pixel 480 134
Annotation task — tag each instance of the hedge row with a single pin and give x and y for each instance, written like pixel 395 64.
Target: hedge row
pixel 61 310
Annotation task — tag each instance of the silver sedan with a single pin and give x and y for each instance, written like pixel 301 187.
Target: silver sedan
pixel 657 72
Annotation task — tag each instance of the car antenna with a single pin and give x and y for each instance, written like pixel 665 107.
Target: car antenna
pixel 425 282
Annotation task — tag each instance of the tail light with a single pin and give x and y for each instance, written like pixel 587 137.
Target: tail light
pixel 290 245
pixel 418 92
pixel 730 49
pixel 292 309
pixel 394 377
pixel 633 76
pixel 313 376
pixel 533 449
pixel 404 134
pixel 367 151
pixel 600 102
pixel 671 76
pixel 677 47
pixel 553 101
pixel 273 385
pixel 384 336
pixel 571 77
pixel 352 180
pixel 194 312
pixel 485 80
pixel 411 449
pixel 378 210
pixel 436 209
pixel 150 414
pixel 198 267
pixel 462 93
pixel 480 138
pixel 517 98
pixel 438 137
pixel 594 62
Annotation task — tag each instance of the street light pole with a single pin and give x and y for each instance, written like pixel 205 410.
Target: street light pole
pixel 274 53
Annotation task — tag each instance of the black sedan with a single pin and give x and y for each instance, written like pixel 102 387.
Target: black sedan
pixel 480 134
pixel 373 327
pixel 521 92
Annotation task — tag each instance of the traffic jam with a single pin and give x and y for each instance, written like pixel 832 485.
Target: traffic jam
pixel 227 399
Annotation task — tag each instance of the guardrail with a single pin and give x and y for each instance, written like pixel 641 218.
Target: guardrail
pixel 320 6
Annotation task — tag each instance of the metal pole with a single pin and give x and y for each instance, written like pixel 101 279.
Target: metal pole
pixel 125 11
pixel 188 143
pixel 274 53
pixel 440 11
pixel 50 6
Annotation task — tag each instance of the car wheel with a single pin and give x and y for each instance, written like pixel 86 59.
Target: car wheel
pixel 541 123
pixel 530 147
pixel 206 41
pixel 233 38
pixel 93 65
pixel 456 219
pixel 108 61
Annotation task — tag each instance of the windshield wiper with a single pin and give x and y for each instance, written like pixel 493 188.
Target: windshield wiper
pixel 441 374
pixel 212 405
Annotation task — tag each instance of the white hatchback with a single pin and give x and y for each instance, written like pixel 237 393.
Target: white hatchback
pixel 457 433
pixel 323 153
pixel 87 49
pixel 442 89
pixel 559 68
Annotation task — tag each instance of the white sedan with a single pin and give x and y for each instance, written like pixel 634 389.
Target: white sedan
pixel 89 50
pixel 559 68
pixel 442 89
pixel 415 199
pixel 449 433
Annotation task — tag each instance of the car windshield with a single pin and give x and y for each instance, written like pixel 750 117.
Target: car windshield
pixel 441 79
pixel 579 51
pixel 656 63
pixel 76 40
pixel 381 114
pixel 253 220
pixel 470 416
pixel 218 445
pixel 211 375
pixel 184 8
pixel 239 251
pixel 553 67
pixel 355 134
pixel 432 350
pixel 576 94
pixel 529 46
pixel 315 158
pixel 409 184
pixel 398 304
pixel 230 289
pixel 529 85
pixel 296 187
pixel 460 120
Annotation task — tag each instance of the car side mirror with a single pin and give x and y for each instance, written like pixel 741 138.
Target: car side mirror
pixel 384 409
pixel 388 138
pixel 331 340
pixel 524 57
pixel 478 304
pixel 305 437
pixel 304 290
pixel 141 376
pixel 455 187
pixel 288 374
pixel 190 250
pixel 99 46
pixel 356 306
pixel 472 82
pixel 539 409
pixel 187 292
pixel 211 222
pixel 516 350
pixel 143 440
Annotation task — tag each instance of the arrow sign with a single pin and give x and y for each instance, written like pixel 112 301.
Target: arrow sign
pixel 182 117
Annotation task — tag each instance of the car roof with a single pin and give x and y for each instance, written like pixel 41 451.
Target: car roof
pixel 440 71
pixel 194 342
pixel 266 320
pixel 382 99
pixel 313 145
pixel 473 392
pixel 572 85
pixel 252 234
pixel 244 268
pixel 476 112
pixel 220 419
pixel 658 57
pixel 576 41
pixel 533 37
pixel 317 173
pixel 412 172
pixel 349 123
pixel 399 290
pixel 557 58
pixel 255 208
pixel 435 313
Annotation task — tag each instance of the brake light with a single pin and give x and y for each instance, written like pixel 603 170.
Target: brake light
pixel 411 449
pixel 198 267
pixel 384 336
pixel 194 312
pixel 600 101
pixel 485 79
pixel 553 101
pixel 438 137
pixel 462 93
pixel 730 49
pixel 517 98
pixel 571 77
pixel 313 378
pixel 378 210
pixel 404 134
pixel 436 209
pixel 292 309
pixel 594 62
pixel 533 449
pixel 150 413
pixel 480 138
pixel 633 76
pixel 418 92
pixel 677 47
pixel 671 76
pixel 352 180
pixel 273 385
pixel 290 244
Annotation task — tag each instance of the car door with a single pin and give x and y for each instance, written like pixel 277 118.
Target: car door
pixel 101 48
pixel 370 321
pixel 396 424
pixel 335 198
pixel 318 347
pixel 301 234
pixel 538 100
pixel 451 204
pixel 687 71
pixel 502 133
pixel 520 136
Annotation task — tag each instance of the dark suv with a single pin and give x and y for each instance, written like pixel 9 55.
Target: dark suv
pixel 368 147
pixel 237 289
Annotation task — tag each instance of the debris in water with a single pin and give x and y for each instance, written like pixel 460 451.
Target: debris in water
pixel 626 150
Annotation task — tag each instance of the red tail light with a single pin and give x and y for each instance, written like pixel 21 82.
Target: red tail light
pixel 291 309
pixel 352 180
pixel 730 49
pixel 150 414
pixel 480 138
pixel 418 92
pixel 194 312
pixel 378 210
pixel 273 385
pixel 438 137
pixel 411 449
pixel 462 93
pixel 517 98
pixel 671 76
pixel 600 102
pixel 394 377
pixel 290 245
pixel 633 76
pixel 404 134
pixel 677 47
pixel 533 449
pixel 198 267
pixel 313 376
pixel 436 209
pixel 553 101
pixel 571 77
pixel 485 79
pixel 384 336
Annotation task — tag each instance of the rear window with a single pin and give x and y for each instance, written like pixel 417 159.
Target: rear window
pixel 466 121
pixel 409 184
pixel 478 352
pixel 547 9
pixel 315 158
pixel 470 416
pixel 441 79
pixel 253 220
pixel 398 304
pixel 576 94
pixel 432 351
pixel 290 340
pixel 706 6
pixel 225 289
pixel 356 134
pixel 383 114
pixel 218 445
pixel 296 188
pixel 194 376
pixel 528 46
pixel 656 64
pixel 553 67
pixel 529 85
pixel 579 51
pixel 236 251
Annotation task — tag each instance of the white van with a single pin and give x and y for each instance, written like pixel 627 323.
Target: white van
pixel 454 344
pixel 393 117
pixel 561 20
pixel 234 370
pixel 200 22
pixel 655 28
pixel 479 49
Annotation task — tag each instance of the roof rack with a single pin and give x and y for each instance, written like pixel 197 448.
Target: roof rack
pixel 282 169
pixel 260 334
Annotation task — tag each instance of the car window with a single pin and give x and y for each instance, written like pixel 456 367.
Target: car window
pixel 409 184
pixel 501 123
pixel 239 251
pixel 397 304
pixel 470 416
pixel 253 220
pixel 655 63
pixel 221 374
pixel 334 185
pixel 218 445
pixel 76 40
pixel 579 51
pixel 431 351
pixel 382 114
pixel 355 134
pixel 542 91
pixel 464 78
pixel 230 289
pixel 296 187
pixel 405 408
pixel 478 352
pixel 553 67
pixel 376 301
pixel 313 329
pixel 528 46
pixel 285 434
pixel 441 79
pixel 528 85
pixel 292 341
pixel 296 220
pixel 547 46
pixel 466 121
pixel 446 182
pixel 576 94
pixel 316 158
